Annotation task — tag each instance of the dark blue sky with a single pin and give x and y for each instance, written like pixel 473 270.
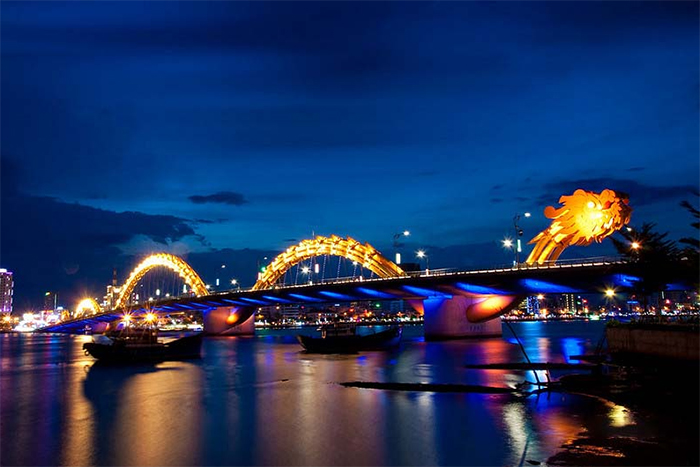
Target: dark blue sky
pixel 199 127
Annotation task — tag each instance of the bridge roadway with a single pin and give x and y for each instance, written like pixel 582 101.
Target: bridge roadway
pixel 582 277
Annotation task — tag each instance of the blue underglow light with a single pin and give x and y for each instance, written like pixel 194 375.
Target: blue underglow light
pixel 624 280
pixel 374 293
pixel 252 300
pixel 305 298
pixel 535 285
pixel 425 292
pixel 480 289
pixel 230 301
pixel 338 296
pixel 277 299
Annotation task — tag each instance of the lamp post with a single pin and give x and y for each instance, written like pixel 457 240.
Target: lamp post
pixel 421 254
pixel 223 266
pixel 405 233
pixel 307 270
pixel 518 233
pixel 235 283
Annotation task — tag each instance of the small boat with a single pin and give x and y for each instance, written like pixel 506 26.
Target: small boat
pixel 343 338
pixel 131 346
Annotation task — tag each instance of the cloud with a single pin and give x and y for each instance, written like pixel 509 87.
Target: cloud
pixel 222 197
pixel 640 194
pixel 69 247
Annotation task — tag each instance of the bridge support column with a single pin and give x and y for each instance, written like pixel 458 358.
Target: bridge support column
pixel 446 318
pixel 230 321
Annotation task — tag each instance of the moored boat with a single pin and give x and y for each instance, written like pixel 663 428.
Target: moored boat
pixel 343 338
pixel 133 346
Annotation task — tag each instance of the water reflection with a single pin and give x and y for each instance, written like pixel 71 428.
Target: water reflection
pixel 263 401
pixel 128 407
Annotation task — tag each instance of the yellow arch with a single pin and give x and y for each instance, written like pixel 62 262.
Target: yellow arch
pixel 86 304
pixel 365 255
pixel 166 260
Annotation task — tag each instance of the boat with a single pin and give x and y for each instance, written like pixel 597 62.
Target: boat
pixel 344 338
pixel 141 345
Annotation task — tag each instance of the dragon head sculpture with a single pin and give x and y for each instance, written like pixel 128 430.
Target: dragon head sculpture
pixel 585 217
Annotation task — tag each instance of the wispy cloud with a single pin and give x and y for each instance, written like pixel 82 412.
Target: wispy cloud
pixel 222 197
pixel 640 193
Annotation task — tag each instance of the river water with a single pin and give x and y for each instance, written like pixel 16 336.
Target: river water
pixel 263 401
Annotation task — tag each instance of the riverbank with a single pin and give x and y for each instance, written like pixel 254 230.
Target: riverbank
pixel 662 393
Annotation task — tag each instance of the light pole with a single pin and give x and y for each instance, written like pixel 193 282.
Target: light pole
pixel 235 282
pixel 421 254
pixel 307 270
pixel 405 233
pixel 518 233
pixel 508 244
pixel 223 266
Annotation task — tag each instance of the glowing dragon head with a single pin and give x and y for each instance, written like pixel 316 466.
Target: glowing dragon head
pixel 585 217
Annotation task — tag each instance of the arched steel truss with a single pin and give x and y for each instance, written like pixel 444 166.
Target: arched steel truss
pixel 166 260
pixel 85 305
pixel 365 255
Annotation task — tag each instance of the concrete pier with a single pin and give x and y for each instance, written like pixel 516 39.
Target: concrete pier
pixel 446 318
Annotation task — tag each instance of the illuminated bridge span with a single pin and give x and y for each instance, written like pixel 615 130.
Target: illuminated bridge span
pixel 453 302
pixel 363 254
pixel 161 260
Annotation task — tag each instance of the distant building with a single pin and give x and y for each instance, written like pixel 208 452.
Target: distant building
pixel 113 292
pixel 50 301
pixel 570 303
pixel 6 286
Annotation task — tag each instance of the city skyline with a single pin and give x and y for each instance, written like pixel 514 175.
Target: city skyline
pixel 227 131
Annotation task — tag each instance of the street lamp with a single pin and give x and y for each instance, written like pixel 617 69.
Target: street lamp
pixel 235 282
pixel 421 254
pixel 405 233
pixel 518 234
pixel 307 270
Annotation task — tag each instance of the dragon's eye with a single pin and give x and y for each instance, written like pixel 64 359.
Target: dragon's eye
pixel 590 204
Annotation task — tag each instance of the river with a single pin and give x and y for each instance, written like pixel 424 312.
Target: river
pixel 263 401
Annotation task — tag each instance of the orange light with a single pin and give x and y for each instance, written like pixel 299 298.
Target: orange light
pixel 636 246
pixel 584 218
pixel 150 317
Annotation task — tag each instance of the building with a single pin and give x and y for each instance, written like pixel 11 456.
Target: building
pixel 6 291
pixel 113 292
pixel 50 301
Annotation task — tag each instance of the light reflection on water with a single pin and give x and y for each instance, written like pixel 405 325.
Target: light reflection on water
pixel 262 401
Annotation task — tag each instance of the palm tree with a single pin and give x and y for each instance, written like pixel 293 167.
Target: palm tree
pixel 654 258
pixel 690 254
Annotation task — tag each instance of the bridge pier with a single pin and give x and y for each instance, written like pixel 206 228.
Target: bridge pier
pixel 230 321
pixel 446 318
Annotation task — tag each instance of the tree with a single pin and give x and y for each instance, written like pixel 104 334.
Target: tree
pixel 690 254
pixel 655 259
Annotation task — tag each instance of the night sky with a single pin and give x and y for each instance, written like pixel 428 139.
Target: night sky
pixel 227 131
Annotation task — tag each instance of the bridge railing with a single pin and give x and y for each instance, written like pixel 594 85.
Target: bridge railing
pixel 503 268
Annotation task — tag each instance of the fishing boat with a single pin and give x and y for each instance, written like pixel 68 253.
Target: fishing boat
pixel 141 345
pixel 344 338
